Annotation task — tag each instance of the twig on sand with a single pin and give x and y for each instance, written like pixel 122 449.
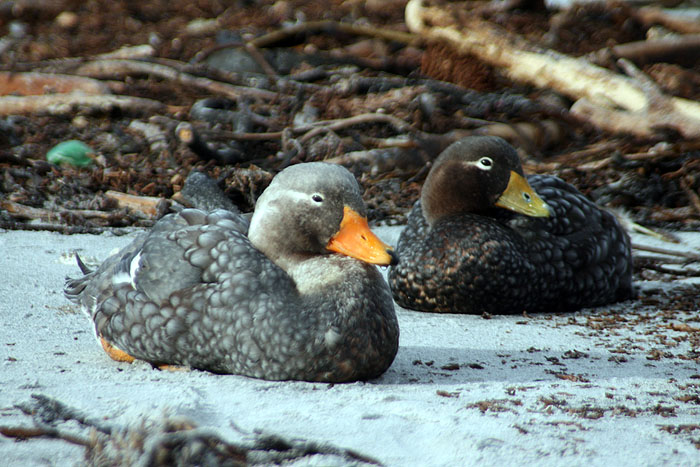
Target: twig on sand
pixel 685 256
pixel 46 410
pixel 665 259
pixel 24 433
pixel 168 440
pixel 652 264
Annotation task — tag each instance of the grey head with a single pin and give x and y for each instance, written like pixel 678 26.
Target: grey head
pixel 302 210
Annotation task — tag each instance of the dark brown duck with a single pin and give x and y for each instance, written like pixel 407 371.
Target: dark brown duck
pixel 481 239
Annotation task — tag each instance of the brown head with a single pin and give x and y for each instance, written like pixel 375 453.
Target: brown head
pixel 476 174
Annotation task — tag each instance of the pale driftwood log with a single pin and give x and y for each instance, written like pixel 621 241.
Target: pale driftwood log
pixel 61 104
pixel 32 84
pixel 148 207
pixel 610 101
pixel 660 111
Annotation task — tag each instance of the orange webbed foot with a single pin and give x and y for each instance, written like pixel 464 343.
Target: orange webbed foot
pixel 114 353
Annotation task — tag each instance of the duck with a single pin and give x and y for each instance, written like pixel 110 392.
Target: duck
pixel 293 293
pixel 484 238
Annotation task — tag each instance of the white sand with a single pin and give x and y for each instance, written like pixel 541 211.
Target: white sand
pixel 463 390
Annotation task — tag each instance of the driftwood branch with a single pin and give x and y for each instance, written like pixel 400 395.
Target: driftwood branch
pixel 94 94
pixel 333 125
pixel 25 433
pixel 62 104
pixel 667 49
pixel 147 207
pixel 312 129
pixel 651 15
pixel 122 68
pixel 22 211
pixel 659 112
pixel 32 84
pixel 274 37
pixel 141 207
pixel 602 96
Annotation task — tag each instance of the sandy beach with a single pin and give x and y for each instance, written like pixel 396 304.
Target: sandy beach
pixel 618 385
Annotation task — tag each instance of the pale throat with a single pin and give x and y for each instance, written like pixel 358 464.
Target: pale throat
pixel 307 278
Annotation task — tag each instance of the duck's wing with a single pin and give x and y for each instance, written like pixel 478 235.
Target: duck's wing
pixel 579 242
pixel 571 211
pixel 180 252
pixel 175 254
pixel 585 233
pixel 194 291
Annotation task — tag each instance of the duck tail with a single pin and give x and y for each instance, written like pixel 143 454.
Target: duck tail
pixel 74 287
pixel 83 267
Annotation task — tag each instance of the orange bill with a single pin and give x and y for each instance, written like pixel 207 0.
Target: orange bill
pixel 356 240
pixel 520 197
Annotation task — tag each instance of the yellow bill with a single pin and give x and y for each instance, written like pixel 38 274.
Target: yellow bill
pixel 520 197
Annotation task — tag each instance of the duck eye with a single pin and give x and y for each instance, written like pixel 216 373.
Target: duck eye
pixel 485 163
pixel 317 198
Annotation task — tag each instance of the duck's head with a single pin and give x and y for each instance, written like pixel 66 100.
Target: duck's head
pixel 311 209
pixel 476 174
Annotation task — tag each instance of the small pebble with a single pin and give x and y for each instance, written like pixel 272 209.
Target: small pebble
pixel 80 122
pixel 17 29
pixel 67 20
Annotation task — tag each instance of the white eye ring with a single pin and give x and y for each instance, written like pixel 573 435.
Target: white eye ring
pixel 485 163
pixel 317 198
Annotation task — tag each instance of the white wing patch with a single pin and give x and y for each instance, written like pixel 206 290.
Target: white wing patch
pixel 123 277
pixel 134 269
